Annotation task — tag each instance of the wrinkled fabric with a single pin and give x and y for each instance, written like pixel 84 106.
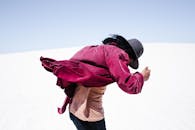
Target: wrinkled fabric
pixel 96 66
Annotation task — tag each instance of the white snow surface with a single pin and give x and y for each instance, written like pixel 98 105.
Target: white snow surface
pixel 29 96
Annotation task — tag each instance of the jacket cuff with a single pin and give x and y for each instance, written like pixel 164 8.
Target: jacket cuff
pixel 140 79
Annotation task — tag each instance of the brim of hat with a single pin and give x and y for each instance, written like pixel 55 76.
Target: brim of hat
pixel 134 64
pixel 129 45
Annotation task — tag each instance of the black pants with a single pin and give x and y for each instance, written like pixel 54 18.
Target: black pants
pixel 85 125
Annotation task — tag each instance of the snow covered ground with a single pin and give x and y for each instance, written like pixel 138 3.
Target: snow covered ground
pixel 29 97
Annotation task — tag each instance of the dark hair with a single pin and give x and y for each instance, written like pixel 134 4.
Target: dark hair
pixel 121 43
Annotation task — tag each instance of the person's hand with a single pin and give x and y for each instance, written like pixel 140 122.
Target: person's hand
pixel 146 73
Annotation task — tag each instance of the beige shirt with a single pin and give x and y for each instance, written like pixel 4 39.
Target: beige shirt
pixel 87 103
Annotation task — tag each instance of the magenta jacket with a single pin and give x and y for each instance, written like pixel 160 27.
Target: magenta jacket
pixel 96 66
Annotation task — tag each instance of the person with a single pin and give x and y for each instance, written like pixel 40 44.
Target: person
pixel 84 78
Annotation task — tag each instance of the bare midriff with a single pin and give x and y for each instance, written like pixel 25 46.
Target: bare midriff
pixel 87 103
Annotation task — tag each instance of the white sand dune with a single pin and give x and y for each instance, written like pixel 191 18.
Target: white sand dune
pixel 29 97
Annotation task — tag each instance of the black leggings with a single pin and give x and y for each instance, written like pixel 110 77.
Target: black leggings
pixel 85 125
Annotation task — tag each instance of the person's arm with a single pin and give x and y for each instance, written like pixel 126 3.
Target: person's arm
pixel 118 66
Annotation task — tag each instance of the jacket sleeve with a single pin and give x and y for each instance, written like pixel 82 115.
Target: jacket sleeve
pixel 117 63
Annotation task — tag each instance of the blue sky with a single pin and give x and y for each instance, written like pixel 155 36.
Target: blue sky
pixel 46 24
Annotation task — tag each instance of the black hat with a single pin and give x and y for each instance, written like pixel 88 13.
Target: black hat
pixel 135 45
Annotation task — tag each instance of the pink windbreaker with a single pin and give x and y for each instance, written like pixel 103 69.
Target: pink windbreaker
pixel 96 66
